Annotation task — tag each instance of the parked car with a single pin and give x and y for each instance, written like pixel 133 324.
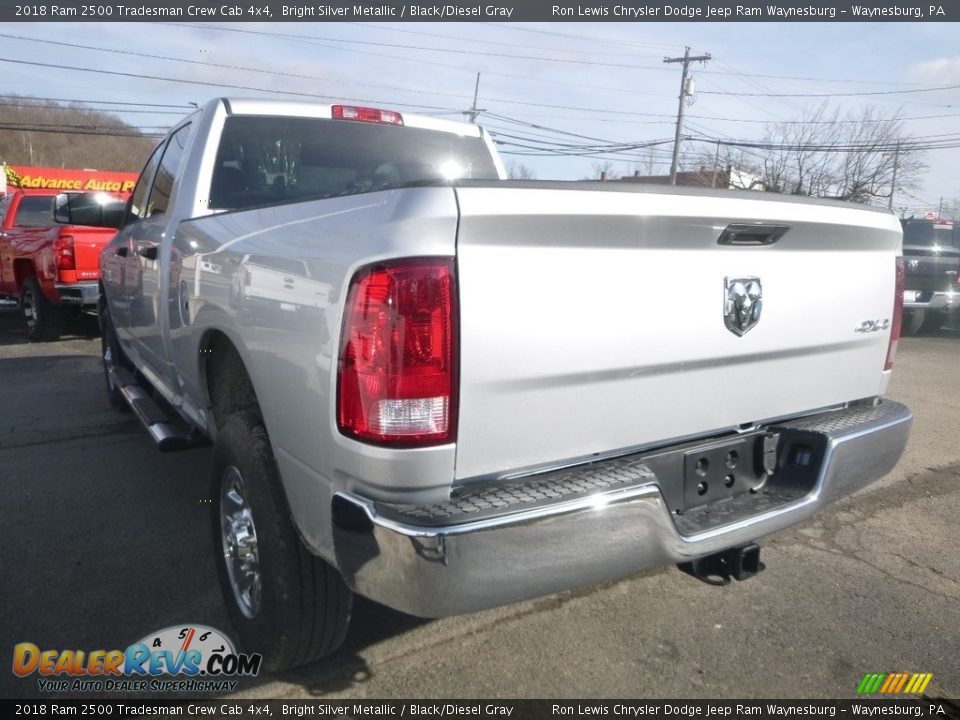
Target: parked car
pixel 53 269
pixel 931 253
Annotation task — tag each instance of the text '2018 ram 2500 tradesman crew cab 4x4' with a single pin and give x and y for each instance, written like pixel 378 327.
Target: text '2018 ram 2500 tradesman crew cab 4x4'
pixel 446 391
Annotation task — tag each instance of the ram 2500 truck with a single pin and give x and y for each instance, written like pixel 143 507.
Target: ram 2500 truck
pixel 447 391
pixel 931 258
pixel 51 269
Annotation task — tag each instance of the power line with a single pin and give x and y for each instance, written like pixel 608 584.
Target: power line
pixel 76 131
pixel 952 142
pixel 78 126
pixel 114 51
pixel 537 126
pixel 757 85
pixel 423 48
pixel 461 38
pixel 738 98
pixel 842 94
pixel 462 51
pixel 824 122
pixel 274 91
pixel 64 108
pixel 94 102
pixel 167 58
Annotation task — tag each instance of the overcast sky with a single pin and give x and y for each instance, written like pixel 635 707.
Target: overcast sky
pixel 606 81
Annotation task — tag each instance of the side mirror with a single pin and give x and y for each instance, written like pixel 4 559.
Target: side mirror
pixel 97 209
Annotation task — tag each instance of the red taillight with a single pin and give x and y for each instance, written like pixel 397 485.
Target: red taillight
pixel 897 315
pixel 397 378
pixel 63 253
pixel 365 114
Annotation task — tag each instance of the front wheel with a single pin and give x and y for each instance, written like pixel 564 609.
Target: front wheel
pixel 284 602
pixel 111 353
pixel 913 320
pixel 44 320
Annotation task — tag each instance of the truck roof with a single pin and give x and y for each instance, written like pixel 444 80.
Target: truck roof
pixel 256 106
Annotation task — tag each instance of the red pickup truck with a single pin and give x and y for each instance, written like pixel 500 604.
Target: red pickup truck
pixel 51 269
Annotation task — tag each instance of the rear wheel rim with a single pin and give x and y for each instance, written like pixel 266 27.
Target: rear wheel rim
pixel 30 310
pixel 241 552
pixel 106 341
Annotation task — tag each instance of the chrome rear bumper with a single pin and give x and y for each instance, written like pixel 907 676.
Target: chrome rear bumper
pixel 86 293
pixel 591 524
pixel 940 300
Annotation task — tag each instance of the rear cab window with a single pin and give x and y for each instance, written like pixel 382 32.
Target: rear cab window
pixel 266 160
pixel 927 234
pixel 34 211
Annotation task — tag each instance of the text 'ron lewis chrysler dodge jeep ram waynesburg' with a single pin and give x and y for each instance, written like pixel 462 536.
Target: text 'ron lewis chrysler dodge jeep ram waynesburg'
pixel 446 391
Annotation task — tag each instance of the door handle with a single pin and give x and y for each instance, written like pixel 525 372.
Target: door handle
pixel 752 234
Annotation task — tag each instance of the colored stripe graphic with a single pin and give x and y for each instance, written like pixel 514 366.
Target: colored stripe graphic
pixel 903 681
pixel 889 682
pixel 914 682
pixel 894 683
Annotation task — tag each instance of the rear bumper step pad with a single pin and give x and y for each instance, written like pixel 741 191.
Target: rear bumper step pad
pixel 596 522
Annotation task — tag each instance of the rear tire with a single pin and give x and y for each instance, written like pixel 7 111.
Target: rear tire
pixel 44 320
pixel 933 321
pixel 284 602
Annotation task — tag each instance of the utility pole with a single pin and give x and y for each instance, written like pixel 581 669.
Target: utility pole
pixel 893 182
pixel 686 60
pixel 474 110
pixel 940 208
pixel 716 166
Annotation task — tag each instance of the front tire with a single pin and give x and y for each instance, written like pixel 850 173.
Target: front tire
pixel 44 320
pixel 913 320
pixel 284 602
pixel 111 354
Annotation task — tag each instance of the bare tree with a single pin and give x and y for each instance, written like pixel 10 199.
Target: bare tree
pixel 731 167
pixel 882 152
pixel 853 156
pixel 647 163
pixel 602 170
pixel 519 171
pixel 951 209
pixel 38 132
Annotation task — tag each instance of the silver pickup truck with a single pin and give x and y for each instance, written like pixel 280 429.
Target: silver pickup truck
pixel 447 391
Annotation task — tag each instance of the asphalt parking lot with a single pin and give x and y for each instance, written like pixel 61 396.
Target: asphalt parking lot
pixel 103 540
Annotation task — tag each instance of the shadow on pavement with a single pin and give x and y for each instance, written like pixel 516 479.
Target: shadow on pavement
pixel 13 331
pixel 104 539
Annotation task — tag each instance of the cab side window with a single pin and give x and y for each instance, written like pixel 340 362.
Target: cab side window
pixel 167 172
pixel 138 201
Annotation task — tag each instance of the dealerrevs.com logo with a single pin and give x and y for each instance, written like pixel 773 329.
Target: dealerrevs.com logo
pixel 192 658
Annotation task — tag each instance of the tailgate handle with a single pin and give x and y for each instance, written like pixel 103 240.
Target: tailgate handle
pixel 751 234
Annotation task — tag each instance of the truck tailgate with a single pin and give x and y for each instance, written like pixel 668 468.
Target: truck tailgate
pixel 931 269
pixel 87 244
pixel 592 317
